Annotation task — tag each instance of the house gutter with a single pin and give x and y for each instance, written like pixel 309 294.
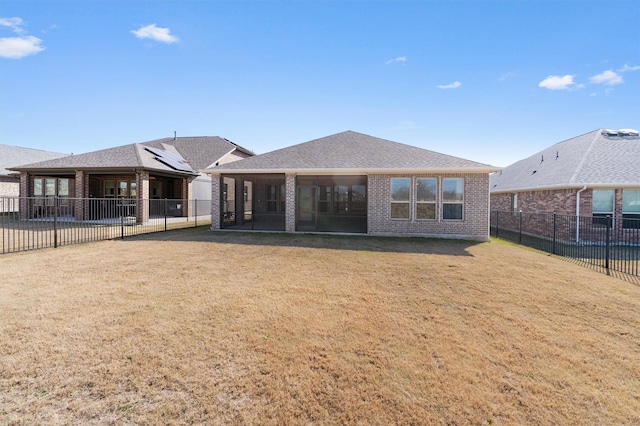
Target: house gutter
pixel 578 213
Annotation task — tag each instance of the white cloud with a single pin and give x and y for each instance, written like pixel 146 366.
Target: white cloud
pixel 399 59
pixel 453 85
pixel 556 82
pixel 14 23
pixel 156 33
pixel 21 46
pixel 628 67
pixel 608 77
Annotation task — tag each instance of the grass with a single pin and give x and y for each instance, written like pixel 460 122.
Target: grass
pixel 197 327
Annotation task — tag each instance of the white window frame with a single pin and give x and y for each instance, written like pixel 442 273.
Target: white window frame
pixel 434 202
pixel 399 202
pixel 452 202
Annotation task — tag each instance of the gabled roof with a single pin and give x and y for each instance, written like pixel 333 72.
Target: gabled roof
pixel 11 156
pixel 351 152
pixel 197 153
pixel 601 158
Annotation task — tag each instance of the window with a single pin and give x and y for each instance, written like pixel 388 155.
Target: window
pixel 602 205
pixel 631 208
pixel 400 198
pixel 51 187
pixel 452 198
pixel 514 202
pixel 426 198
pixel 109 188
pixel 45 190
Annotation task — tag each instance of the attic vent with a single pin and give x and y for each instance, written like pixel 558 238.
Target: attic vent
pixel 628 132
pixel 621 132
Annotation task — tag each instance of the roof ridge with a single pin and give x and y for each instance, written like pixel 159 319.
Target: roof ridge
pixel 584 156
pixel 137 147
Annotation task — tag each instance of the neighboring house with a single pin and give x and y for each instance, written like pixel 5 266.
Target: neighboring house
pixel 156 170
pixel 11 156
pixel 354 183
pixel 596 174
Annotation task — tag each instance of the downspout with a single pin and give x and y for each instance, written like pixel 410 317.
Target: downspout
pixel 578 213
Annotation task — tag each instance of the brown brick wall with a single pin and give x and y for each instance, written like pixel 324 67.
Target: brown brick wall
pixel 474 225
pixel 561 201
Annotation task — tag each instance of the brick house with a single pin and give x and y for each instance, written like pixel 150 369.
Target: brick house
pixel 139 173
pixel 595 175
pixel 11 156
pixel 354 183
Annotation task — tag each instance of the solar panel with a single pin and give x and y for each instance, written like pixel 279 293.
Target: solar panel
pixel 170 159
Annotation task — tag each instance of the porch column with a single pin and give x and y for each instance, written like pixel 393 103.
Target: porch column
pixel 79 203
pixel 215 201
pixel 142 185
pixel 187 192
pixel 24 193
pixel 290 205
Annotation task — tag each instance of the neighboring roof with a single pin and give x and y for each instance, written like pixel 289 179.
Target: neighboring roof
pixel 351 152
pixel 11 156
pixel 194 153
pixel 601 158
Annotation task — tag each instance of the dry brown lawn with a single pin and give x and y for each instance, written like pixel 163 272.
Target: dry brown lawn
pixel 197 327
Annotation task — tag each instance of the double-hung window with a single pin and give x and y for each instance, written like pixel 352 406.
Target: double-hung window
pixel 602 205
pixel 452 198
pixel 631 208
pixel 400 198
pixel 426 189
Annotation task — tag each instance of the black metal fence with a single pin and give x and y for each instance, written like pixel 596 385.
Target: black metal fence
pixel 30 223
pixel 609 243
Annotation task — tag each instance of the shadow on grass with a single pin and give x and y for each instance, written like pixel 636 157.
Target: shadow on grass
pixel 418 245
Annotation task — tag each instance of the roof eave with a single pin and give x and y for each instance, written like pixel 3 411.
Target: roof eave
pixel 98 169
pixel 350 171
pixel 566 186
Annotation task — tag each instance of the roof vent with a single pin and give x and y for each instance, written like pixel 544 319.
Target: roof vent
pixel 628 132
pixel 621 132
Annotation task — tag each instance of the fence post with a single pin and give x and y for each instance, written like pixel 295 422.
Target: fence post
pixel 608 241
pixel 195 212
pixel 122 218
pixel 553 250
pixel 55 222
pixel 165 214
pixel 520 229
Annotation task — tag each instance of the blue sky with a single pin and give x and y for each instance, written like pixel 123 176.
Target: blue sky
pixel 490 81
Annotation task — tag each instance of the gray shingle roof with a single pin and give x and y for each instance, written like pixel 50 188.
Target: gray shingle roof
pixel 200 152
pixel 592 159
pixel 11 156
pixel 350 152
